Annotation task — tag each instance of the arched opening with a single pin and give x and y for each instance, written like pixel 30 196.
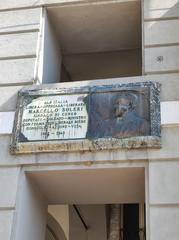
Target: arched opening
pixel 53 230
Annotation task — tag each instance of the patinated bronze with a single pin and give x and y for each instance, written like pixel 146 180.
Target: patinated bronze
pixel 87 118
pixel 120 115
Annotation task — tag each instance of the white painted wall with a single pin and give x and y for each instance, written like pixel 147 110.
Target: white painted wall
pixel 31 212
pixel 50 54
pixel 164 199
pixel 6 122
pixel 170 113
pixel 8 191
pixel 20 20
pixel 18 36
pixel 161 36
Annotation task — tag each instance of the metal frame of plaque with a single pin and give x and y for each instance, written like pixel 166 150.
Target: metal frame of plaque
pixel 87 118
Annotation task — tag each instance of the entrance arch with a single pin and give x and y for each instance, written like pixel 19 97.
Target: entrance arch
pixel 54 231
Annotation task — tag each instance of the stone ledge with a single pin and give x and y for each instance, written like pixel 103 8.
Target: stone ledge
pixel 87 145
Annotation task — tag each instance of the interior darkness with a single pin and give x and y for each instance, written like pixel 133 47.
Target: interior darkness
pixel 94 222
pixel 131 222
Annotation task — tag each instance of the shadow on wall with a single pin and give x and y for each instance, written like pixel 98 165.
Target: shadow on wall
pixel 53 230
pixel 161 9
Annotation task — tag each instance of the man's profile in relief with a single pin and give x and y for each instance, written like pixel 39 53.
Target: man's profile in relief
pixel 127 121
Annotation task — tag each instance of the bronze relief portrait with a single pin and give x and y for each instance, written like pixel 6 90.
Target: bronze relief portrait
pixel 89 118
pixel 119 114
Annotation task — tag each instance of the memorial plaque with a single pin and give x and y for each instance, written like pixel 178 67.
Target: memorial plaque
pixel 88 118
pixel 55 118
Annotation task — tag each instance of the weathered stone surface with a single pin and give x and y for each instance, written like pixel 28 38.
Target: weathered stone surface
pixel 114 225
pixel 54 118
pixel 120 116
pixel 87 145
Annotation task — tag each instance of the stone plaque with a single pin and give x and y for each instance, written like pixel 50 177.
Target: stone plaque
pixel 55 118
pixel 88 118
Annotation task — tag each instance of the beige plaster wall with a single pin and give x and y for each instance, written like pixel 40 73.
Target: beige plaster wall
pixel 61 215
pixel 95 218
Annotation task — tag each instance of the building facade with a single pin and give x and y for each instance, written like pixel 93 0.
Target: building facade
pixel 64 44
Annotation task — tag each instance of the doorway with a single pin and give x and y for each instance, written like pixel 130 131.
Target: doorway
pixel 105 200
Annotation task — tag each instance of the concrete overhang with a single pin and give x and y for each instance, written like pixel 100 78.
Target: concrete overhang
pixel 93 186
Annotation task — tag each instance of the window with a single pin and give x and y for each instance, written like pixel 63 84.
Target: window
pixel 93 41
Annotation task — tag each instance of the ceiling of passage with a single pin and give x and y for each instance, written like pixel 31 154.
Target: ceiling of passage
pixel 93 186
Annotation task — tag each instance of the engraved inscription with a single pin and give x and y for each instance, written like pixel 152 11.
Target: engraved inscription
pixel 55 118
pixel 87 118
